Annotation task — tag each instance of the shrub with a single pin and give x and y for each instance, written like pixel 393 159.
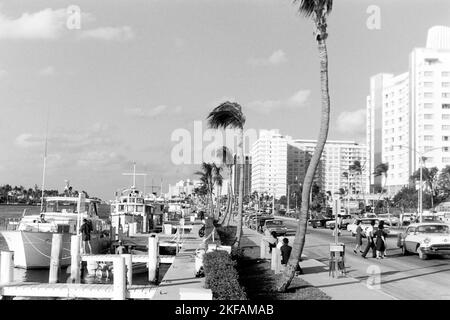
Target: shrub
pixel 222 277
pixel 227 235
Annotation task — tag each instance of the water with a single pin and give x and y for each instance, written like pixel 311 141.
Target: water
pixel 22 275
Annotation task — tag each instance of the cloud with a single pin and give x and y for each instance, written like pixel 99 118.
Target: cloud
pixel 51 24
pixel 44 24
pixel 109 33
pixel 297 100
pixel 276 58
pixel 47 71
pixel 150 112
pixel 100 159
pixel 352 122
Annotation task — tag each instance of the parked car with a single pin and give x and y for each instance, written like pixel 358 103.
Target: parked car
pixel 425 239
pixel 275 225
pixel 389 219
pixel 365 223
pixel 346 220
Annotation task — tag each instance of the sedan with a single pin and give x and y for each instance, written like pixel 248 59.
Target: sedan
pixel 425 239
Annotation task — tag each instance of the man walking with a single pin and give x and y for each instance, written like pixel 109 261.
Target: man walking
pixel 370 241
pixel 285 252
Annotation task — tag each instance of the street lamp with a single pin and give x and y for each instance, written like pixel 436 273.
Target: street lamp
pixel 422 162
pixel 336 210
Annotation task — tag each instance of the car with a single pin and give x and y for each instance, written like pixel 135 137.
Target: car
pixel 365 223
pixel 426 239
pixel 389 219
pixel 276 226
pixel 346 220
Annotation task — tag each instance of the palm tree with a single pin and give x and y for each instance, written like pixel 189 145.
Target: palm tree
pixel 429 176
pixel 227 161
pixel 318 10
pixel 206 177
pixel 381 170
pixel 218 182
pixel 229 115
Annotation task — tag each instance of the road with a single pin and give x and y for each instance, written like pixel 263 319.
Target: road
pixel 403 277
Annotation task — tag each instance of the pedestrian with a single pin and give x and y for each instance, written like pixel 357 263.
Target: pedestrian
pixel 370 240
pixel 359 236
pixel 121 248
pixel 285 252
pixel 272 241
pixel 380 241
pixel 85 230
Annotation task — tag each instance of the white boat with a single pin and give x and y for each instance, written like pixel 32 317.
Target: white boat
pixel 32 240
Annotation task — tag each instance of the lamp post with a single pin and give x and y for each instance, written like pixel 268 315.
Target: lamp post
pixel 422 163
pixel 336 210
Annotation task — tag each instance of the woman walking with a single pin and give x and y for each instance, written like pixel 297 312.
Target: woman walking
pixel 380 241
pixel 358 237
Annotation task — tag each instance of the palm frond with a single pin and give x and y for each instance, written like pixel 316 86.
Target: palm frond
pixel 225 156
pixel 226 115
pixel 308 7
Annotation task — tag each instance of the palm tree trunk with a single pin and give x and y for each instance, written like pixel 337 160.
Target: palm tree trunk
pixel 299 241
pixel 241 187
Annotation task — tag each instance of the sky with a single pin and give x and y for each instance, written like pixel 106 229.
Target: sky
pixel 115 88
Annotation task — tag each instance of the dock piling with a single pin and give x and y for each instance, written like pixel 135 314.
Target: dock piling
pixel 129 265
pixel 6 267
pixel 55 257
pixel 75 258
pixel 152 257
pixel 262 249
pixel 120 284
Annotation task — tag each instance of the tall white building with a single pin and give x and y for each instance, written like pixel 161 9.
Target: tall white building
pixel 408 115
pixel 337 157
pixel 269 163
pixel 279 161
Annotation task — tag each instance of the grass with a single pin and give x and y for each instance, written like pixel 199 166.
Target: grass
pixel 260 282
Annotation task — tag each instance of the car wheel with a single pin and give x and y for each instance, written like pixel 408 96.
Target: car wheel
pixel 404 251
pixel 422 255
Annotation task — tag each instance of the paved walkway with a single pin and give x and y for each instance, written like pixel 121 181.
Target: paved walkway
pixel 316 273
pixel 180 277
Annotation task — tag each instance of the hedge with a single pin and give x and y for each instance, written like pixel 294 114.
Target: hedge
pixel 222 277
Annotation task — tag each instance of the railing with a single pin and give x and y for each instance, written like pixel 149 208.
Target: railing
pixel 9 223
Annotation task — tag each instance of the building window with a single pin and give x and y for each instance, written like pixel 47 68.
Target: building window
pixel 428 127
pixel 446 117
pixel 428 95
pixel 444 138
pixel 446 106
pixel 446 127
pixel 428 116
pixel 428 138
pixel 445 149
pixel 428 105
pixel 446 84
pixel 445 73
pixel 445 94
pixel 428 148
pixel 428 73
pixel 428 84
pixel 446 159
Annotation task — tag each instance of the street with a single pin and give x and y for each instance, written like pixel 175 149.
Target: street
pixel 403 277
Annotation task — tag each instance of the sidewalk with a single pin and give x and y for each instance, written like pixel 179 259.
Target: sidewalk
pixel 316 273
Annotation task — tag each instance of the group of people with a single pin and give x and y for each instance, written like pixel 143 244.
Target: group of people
pixel 283 246
pixel 376 240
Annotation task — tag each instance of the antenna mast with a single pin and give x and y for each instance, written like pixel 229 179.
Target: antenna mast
pixel 45 163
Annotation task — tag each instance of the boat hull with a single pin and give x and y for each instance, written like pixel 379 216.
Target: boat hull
pixel 32 250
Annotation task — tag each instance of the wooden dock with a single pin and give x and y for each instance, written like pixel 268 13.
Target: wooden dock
pixel 74 290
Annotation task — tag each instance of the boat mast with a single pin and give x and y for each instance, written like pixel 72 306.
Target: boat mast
pixel 44 167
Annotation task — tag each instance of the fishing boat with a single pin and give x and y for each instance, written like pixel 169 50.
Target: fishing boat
pixel 32 240
pixel 131 213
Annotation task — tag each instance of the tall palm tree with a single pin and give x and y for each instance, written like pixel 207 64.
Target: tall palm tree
pixel 227 161
pixel 230 115
pixel 318 10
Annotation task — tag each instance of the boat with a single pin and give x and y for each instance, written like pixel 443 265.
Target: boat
pixel 132 212
pixel 32 239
